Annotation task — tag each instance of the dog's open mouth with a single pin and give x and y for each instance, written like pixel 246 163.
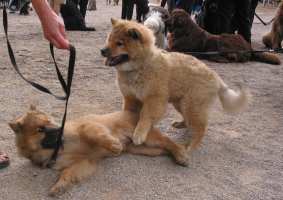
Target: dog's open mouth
pixel 113 61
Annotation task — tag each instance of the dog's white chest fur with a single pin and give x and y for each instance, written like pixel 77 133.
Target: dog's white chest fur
pixel 131 84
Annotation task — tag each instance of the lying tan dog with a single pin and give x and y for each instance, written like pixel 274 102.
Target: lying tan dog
pixel 149 78
pixel 86 141
pixel 274 38
pixel 186 36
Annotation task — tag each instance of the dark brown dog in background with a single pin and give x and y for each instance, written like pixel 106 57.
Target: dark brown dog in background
pixel 186 36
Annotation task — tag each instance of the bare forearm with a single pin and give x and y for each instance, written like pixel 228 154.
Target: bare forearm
pixel 41 7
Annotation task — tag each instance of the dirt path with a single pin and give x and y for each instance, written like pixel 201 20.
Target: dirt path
pixel 241 156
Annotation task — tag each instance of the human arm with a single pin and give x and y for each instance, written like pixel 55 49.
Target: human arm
pixel 52 25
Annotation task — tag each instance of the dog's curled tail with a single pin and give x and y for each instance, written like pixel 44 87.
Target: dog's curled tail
pixel 266 57
pixel 233 101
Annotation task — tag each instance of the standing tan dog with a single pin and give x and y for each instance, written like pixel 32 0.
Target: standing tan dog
pixel 274 38
pixel 149 78
pixel 86 141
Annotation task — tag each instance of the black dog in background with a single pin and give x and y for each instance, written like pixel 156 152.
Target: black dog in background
pixel 142 9
pixel 73 18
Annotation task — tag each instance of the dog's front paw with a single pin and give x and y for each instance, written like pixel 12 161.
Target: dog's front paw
pixel 139 137
pixel 181 156
pixel 116 147
pixel 57 189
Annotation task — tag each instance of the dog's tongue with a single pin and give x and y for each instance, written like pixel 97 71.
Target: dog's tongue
pixel 112 61
pixel 108 61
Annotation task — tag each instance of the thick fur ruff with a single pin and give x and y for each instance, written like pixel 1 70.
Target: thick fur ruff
pixel 150 78
pixel 274 38
pixel 187 36
pixel 87 140
pixel 155 23
pixel 73 19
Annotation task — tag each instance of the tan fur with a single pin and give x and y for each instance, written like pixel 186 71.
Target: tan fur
pixel 153 77
pixel 274 38
pixel 86 141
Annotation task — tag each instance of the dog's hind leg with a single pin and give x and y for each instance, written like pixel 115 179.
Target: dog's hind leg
pixel 96 134
pixel 196 116
pixel 75 173
pixel 158 144
pixel 181 124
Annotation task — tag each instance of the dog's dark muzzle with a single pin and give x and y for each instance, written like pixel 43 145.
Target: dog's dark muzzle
pixel 105 52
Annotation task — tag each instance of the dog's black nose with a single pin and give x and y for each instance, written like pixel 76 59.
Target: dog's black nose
pixel 105 52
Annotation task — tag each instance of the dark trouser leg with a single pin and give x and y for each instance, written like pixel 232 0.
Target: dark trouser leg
pixel 186 5
pixel 75 1
pixel 124 9
pixel 138 12
pixel 227 9
pixel 171 5
pixel 130 10
pixel 83 7
pixel 252 11
pixel 243 18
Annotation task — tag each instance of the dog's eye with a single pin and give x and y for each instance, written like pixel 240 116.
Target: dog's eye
pixel 119 43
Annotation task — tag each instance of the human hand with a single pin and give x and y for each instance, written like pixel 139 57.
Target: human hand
pixel 54 30
pixel 52 25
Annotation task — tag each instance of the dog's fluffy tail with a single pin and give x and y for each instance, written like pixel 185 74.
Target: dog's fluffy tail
pixel 233 101
pixel 266 57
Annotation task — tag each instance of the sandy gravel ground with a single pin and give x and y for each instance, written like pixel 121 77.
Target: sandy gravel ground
pixel 241 156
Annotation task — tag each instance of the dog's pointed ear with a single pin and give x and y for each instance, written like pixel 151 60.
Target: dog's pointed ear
pixel 114 21
pixel 15 126
pixel 32 107
pixel 135 34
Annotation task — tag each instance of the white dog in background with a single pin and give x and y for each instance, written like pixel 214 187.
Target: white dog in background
pixel 155 21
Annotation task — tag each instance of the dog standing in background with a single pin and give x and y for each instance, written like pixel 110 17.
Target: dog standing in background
pixel 274 38
pixel 155 21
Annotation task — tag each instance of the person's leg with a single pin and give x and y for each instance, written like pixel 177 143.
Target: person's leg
pixel 252 11
pixel 83 7
pixel 75 1
pixel 243 8
pixel 227 11
pixel 130 10
pixel 124 9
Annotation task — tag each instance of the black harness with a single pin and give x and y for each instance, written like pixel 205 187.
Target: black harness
pixel 53 136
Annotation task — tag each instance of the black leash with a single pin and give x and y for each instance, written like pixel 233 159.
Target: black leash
pixel 65 86
pixel 263 22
